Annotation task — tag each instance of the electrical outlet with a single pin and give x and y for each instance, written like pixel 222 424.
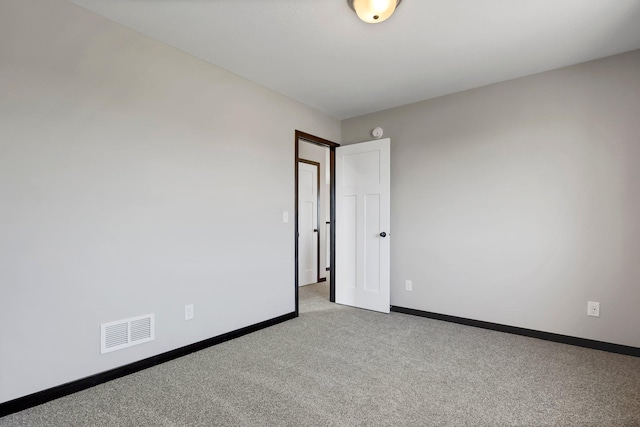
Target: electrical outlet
pixel 408 285
pixel 593 309
pixel 188 312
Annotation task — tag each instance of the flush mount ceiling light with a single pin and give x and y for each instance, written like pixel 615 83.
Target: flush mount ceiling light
pixel 374 11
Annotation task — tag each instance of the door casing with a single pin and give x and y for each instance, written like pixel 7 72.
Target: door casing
pixel 306 137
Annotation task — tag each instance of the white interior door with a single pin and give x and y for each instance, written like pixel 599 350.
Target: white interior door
pixel 362 225
pixel 307 223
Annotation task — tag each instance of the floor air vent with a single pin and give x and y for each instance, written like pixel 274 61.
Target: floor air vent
pixel 125 333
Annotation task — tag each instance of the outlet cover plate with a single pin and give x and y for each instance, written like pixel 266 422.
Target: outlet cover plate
pixel 188 312
pixel 593 309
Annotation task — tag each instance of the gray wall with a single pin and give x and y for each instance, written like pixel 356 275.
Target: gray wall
pixel 518 202
pixel 133 179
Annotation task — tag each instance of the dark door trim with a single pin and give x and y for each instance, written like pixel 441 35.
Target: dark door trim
pixel 303 136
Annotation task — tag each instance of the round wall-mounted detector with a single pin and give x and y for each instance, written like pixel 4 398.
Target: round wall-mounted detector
pixel 377 132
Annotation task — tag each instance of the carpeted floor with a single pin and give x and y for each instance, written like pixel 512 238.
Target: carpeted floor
pixel 340 366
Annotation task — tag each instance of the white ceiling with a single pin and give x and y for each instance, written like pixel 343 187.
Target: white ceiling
pixel 319 53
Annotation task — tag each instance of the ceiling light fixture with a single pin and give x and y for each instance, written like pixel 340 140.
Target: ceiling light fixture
pixel 374 11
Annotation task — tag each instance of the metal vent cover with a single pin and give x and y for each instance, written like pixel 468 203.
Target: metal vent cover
pixel 125 333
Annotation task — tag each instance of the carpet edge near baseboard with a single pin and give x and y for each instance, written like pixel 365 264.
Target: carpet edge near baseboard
pixel 532 333
pixel 40 397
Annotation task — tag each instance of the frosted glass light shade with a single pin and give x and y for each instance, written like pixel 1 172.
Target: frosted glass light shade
pixel 374 11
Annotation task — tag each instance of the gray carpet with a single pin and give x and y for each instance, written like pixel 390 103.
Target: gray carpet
pixel 339 366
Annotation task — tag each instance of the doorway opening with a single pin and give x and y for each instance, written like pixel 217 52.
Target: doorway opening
pixel 312 230
pixel 310 149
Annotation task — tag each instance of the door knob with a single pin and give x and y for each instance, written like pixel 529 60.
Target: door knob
pixel 315 230
pixel 383 234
